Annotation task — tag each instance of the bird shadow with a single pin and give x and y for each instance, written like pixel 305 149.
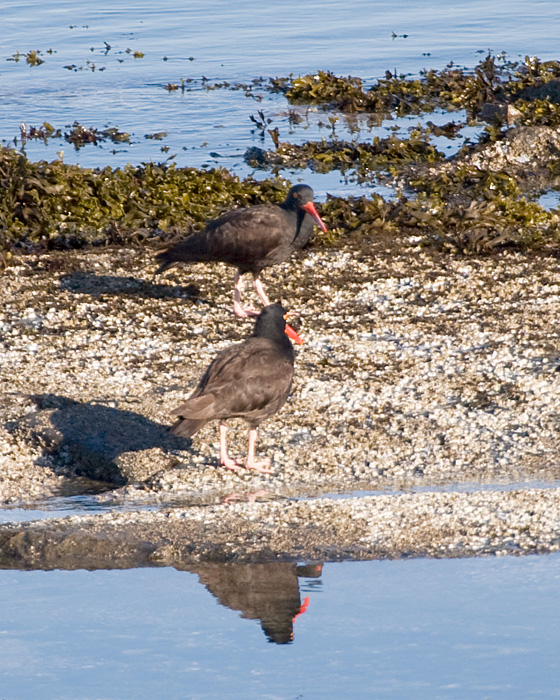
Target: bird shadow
pixel 79 282
pixel 89 438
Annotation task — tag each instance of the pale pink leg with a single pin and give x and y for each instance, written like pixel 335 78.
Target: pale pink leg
pixel 225 459
pixel 261 467
pixel 259 289
pixel 238 310
pixel 251 496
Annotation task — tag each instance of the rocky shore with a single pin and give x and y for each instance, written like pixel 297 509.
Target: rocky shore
pixel 372 527
pixel 420 372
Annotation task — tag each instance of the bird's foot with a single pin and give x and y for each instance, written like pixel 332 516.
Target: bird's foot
pixel 232 464
pixel 261 467
pixel 248 312
pixel 231 498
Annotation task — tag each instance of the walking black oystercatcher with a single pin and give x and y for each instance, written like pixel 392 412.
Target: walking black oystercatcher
pixel 250 239
pixel 250 380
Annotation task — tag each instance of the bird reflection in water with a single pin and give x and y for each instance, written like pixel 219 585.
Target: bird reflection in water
pixel 266 592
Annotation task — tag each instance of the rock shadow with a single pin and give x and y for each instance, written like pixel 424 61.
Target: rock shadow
pixel 88 439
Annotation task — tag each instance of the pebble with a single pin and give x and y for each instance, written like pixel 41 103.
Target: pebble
pixel 425 372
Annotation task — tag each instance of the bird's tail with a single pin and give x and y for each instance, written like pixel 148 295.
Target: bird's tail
pixel 190 249
pixel 187 427
pixel 193 414
pixel 166 260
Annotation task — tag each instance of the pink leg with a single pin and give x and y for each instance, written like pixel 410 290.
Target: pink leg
pixel 225 459
pixel 261 467
pixel 259 289
pixel 238 310
pixel 251 496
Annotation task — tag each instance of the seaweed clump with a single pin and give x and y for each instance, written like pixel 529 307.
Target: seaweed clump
pixel 478 201
pixel 529 86
pixel 476 228
pixel 362 158
pixel 482 199
pixel 451 89
pixel 78 135
pixel 55 205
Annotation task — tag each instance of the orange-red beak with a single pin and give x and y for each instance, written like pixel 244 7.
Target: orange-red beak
pixel 302 608
pixel 310 209
pixel 293 335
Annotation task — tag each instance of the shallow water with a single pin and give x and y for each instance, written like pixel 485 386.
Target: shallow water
pixel 63 506
pixel 473 628
pixel 237 43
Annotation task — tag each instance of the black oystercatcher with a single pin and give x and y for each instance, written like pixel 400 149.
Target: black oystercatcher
pixel 266 592
pixel 250 239
pixel 250 380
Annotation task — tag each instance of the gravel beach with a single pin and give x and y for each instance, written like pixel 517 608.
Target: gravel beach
pixel 420 372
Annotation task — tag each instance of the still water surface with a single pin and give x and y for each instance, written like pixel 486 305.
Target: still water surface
pixel 83 80
pixel 443 629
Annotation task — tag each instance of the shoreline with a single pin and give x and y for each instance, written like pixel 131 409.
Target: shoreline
pixel 431 371
pixel 434 525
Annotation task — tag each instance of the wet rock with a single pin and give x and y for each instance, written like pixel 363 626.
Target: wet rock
pixel 493 112
pixel 258 157
pixel 376 527
pixel 549 90
pixel 524 149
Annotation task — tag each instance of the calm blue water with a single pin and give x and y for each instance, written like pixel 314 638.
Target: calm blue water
pixel 435 630
pixel 235 42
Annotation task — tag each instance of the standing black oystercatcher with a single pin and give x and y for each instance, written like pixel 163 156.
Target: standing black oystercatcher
pixel 251 239
pixel 250 380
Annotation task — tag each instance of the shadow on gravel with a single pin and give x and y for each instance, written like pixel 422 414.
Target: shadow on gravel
pixel 96 285
pixel 90 439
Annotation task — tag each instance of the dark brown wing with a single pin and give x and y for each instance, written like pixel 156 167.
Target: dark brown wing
pixel 250 381
pixel 246 237
pixel 249 238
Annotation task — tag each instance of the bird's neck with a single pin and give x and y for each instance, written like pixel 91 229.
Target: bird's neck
pixel 295 217
pixel 276 335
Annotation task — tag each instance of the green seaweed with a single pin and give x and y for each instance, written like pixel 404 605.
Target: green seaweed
pixel 539 112
pixel 452 88
pixel 475 228
pixel 455 206
pixel 481 226
pixel 53 205
pixel 365 159
pixel 493 80
pixel 32 57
